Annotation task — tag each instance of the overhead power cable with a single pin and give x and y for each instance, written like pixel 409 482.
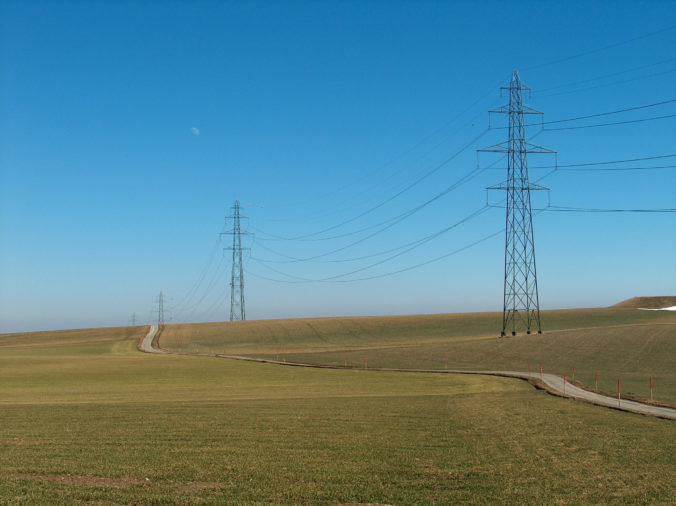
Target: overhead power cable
pixel 597 115
pixel 189 295
pixel 388 200
pixel 398 271
pixel 618 111
pixel 604 76
pixel 418 144
pixel 600 49
pixel 605 162
pixel 605 85
pixel 613 123
pixel 612 169
pixel 221 299
pixel 380 262
pixel 592 210
pixel 567 209
pixel 391 222
pixel 342 260
pixel 216 276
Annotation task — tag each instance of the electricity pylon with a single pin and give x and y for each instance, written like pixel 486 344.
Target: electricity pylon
pixel 132 320
pixel 521 308
pixel 160 309
pixel 237 311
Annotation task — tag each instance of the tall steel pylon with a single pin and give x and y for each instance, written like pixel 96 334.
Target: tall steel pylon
pixel 237 311
pixel 521 308
pixel 160 309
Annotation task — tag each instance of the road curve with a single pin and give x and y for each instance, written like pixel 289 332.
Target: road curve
pixel 551 382
pixel 147 342
pixel 563 387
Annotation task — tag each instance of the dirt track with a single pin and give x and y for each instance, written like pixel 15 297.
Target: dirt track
pixel 147 342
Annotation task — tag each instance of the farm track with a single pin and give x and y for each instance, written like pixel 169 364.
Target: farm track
pixel 146 343
pixel 550 382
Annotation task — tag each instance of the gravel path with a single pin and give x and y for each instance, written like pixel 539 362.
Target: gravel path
pixel 147 343
pixel 557 384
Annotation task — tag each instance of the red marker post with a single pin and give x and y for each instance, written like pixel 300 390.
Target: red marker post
pixel 540 370
pixel 446 364
pixel 366 363
pixel 619 396
pixel 573 374
pixel 529 369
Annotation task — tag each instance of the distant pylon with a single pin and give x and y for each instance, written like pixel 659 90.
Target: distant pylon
pixel 521 307
pixel 160 309
pixel 133 320
pixel 237 311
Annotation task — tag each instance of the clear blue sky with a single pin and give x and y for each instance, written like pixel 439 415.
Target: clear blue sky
pixel 129 128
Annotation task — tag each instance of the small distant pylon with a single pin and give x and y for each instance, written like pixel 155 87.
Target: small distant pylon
pixel 160 309
pixel 132 320
pixel 521 307
pixel 237 309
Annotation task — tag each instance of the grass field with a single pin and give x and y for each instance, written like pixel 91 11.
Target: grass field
pixel 100 422
pixel 616 343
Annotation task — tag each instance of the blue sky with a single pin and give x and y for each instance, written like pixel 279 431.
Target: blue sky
pixel 129 129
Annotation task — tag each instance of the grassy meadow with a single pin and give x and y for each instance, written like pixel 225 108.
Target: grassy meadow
pixel 622 343
pixel 99 422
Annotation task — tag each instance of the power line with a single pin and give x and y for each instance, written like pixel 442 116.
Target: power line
pixel 613 169
pixel 567 209
pixel 613 123
pixel 597 50
pixel 618 111
pixel 390 223
pixel 386 201
pixel 597 78
pixel 190 294
pixel 212 283
pixel 596 115
pixel 623 81
pixel 363 257
pixel 393 221
pixel 605 162
pixel 413 246
pixel 414 147
pixel 398 271
pixel 220 300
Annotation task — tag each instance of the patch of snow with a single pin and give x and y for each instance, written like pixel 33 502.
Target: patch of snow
pixel 672 308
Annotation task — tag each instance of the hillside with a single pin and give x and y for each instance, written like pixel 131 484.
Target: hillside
pixel 613 342
pixel 648 302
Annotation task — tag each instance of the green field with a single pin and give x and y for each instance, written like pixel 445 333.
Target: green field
pixel 616 343
pixel 100 422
